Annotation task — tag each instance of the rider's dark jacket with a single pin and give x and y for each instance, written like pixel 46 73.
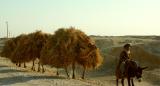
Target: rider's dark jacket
pixel 124 55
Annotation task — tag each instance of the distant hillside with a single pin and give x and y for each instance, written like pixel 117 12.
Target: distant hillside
pixel 139 54
pixel 145 50
pixel 2 41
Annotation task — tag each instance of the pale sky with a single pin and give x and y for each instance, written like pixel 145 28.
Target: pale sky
pixel 94 17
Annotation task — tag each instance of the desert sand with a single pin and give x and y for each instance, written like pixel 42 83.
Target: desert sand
pixel 147 51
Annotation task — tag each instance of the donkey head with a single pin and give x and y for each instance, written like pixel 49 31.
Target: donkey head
pixel 139 73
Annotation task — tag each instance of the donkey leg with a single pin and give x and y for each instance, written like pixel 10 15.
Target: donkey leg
pixel 117 82
pixel 122 81
pixel 128 79
pixel 132 82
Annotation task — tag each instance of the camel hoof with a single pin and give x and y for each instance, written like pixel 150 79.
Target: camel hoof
pixel 33 69
pixel 43 71
pixel 73 77
pixel 57 74
pixel 82 77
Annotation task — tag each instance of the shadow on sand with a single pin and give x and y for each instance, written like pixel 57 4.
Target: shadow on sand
pixel 1 66
pixel 22 79
pixel 6 69
pixel 10 71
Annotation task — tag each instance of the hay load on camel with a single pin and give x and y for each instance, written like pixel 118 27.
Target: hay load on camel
pixel 10 49
pixel 25 48
pixel 66 47
pixel 33 48
pixel 10 46
pixel 69 47
pixel 19 54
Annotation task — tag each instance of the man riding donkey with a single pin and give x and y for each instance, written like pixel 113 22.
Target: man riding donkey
pixel 125 56
pixel 127 68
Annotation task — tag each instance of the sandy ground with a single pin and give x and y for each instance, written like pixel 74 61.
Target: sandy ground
pixel 11 75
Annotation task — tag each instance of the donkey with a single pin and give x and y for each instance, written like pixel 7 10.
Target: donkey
pixel 131 70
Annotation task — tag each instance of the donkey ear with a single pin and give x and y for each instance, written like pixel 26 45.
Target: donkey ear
pixel 144 68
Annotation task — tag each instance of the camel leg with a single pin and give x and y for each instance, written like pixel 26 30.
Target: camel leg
pixel 25 65
pixel 33 67
pixel 117 82
pixel 122 81
pixel 66 70
pixel 19 64
pixel 83 72
pixel 129 84
pixel 39 68
pixel 43 70
pixel 57 72
pixel 73 68
pixel 132 82
pixel 16 64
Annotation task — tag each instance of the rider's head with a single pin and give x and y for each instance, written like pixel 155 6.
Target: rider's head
pixel 127 46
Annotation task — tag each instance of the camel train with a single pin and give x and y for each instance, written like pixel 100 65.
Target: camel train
pixel 67 47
